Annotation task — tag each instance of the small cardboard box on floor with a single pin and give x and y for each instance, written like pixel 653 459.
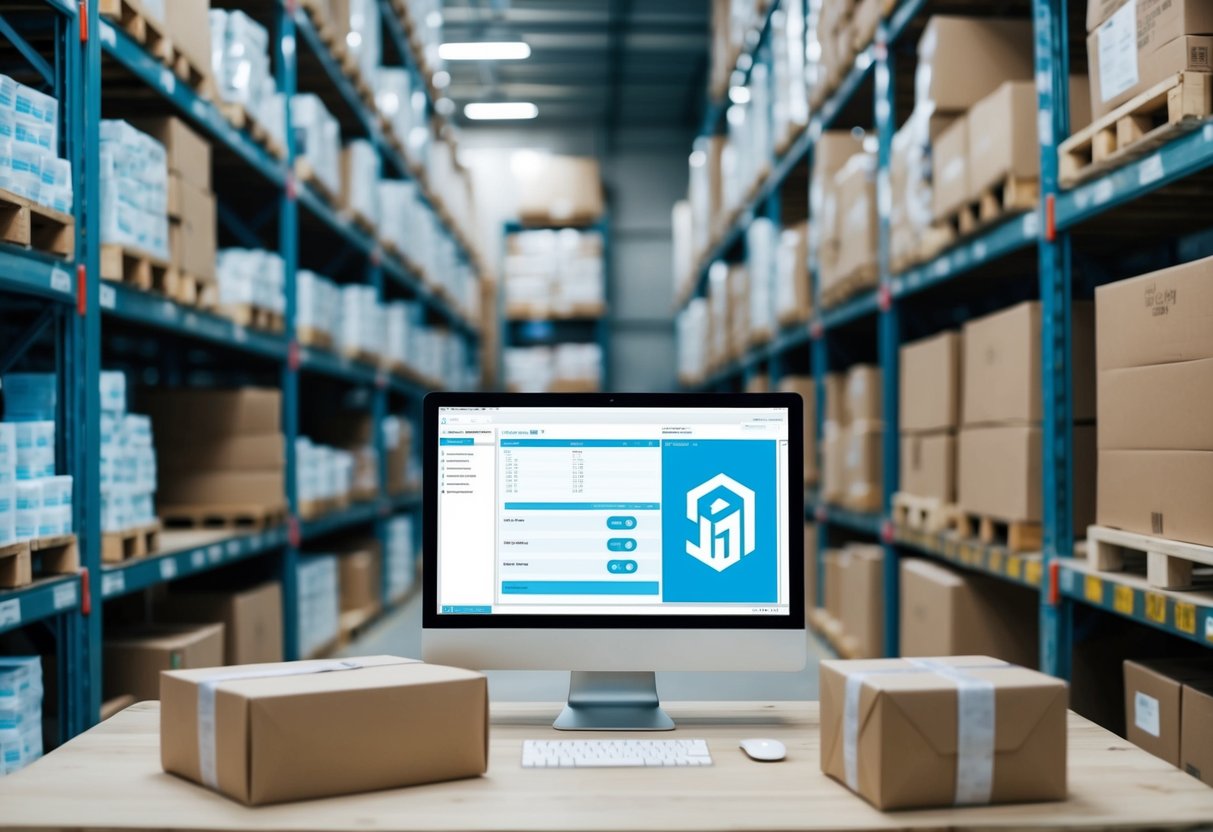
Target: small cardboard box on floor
pixel 1154 351
pixel 1154 694
pixel 304 730
pixel 915 733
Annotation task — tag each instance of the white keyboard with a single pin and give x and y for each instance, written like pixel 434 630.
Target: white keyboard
pixel 614 753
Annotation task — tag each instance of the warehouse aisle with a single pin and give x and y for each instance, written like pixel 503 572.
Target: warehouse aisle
pixel 399 634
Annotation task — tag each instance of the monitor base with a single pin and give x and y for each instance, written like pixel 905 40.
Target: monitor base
pixel 609 701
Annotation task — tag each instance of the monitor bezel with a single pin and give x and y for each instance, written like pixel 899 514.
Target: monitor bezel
pixel 432 619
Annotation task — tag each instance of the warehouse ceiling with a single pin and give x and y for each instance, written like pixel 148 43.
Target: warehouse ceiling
pixel 599 63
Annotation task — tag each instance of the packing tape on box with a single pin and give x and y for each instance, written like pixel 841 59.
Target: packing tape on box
pixel 206 703
pixel 974 726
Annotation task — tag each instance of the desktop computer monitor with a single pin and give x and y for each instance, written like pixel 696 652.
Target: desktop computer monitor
pixel 614 535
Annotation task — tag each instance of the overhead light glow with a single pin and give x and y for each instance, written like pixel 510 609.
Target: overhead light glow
pixel 500 110
pixel 485 51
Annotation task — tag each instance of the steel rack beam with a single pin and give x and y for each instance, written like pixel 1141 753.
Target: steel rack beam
pixel 39 601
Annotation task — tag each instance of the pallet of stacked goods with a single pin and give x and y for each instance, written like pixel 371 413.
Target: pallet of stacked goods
pixel 852 620
pixel 129 525
pixel 175 32
pixel 246 90
pixel 21 700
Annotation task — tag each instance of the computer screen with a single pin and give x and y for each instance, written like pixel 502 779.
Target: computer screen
pixel 614 511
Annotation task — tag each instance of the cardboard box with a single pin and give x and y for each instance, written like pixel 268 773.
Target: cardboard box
pixel 863 600
pixel 1155 22
pixel 1001 366
pixel 835 399
pixel 1163 493
pixel 1196 731
pixel 905 723
pixel 248 452
pixel 378 722
pixel 855 185
pixel 961 60
pixel 833 464
pixel 1157 318
pixel 1120 73
pixel 189 155
pixel 227 488
pixel 794 289
pixel 198 414
pixel 1157 407
pixel 835 582
pixel 930 383
pixel 804 386
pixel 999 472
pixel 863 466
pixel 863 402
pixel 563 189
pixel 948 612
pixel 1002 139
pixel 1153 695
pixel 952 188
pixel 251 619
pixel 928 465
pixel 187 23
pixel 192 238
pixel 359 578
pixel 133 658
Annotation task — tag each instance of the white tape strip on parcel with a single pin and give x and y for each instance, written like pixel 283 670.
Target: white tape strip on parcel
pixel 974 726
pixel 206 704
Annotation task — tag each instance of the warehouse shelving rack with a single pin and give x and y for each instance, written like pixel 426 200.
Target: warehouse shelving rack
pixel 552 330
pixel 873 325
pixel 64 308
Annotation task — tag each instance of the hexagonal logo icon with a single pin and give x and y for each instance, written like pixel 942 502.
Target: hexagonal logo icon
pixel 723 511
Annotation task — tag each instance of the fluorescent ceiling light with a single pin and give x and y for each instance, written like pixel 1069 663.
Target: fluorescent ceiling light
pixel 500 110
pixel 485 51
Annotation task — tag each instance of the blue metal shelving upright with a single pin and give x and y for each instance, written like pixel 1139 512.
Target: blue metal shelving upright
pixel 891 312
pixel 75 310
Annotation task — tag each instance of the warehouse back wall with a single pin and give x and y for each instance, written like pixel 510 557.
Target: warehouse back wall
pixel 644 172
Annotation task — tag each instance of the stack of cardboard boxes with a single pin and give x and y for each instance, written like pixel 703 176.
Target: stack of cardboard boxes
pixel 134 656
pixel 191 204
pixel 793 284
pixel 359 578
pixel 837 32
pixel 1132 45
pixel 929 416
pixel 1000 437
pixel 1155 362
pixel 219 451
pixel 852 438
pixel 846 258
pixel 562 190
pixel 854 600
pixel 1169 711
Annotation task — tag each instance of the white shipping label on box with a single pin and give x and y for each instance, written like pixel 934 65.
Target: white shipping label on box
pixel 1118 52
pixel 1145 713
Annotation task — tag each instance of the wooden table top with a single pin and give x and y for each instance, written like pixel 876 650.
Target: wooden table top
pixel 109 778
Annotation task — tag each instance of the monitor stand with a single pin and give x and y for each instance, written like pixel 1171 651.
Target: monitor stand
pixel 609 701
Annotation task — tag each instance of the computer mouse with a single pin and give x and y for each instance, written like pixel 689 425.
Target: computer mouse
pixel 766 751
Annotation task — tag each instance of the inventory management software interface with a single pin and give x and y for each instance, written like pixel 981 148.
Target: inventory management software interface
pixel 613 511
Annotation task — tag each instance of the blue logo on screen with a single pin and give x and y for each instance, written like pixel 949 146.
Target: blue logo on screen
pixel 719 521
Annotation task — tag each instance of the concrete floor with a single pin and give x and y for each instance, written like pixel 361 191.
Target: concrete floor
pixel 399 634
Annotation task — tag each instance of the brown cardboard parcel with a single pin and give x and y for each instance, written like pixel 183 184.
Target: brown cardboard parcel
pixel 833 463
pixel 863 600
pixel 1156 318
pixel 999 473
pixel 1157 407
pixel 1196 731
pixel 862 466
pixel 1153 690
pixel 930 383
pixel 359 578
pixel 961 59
pixel 1164 493
pixel 1156 21
pixel 835 399
pixel 251 619
pixel 195 414
pixel 245 452
pixel 903 727
pixel 950 163
pixel 948 612
pixel 192 239
pixel 189 155
pixel 863 394
pixel 562 189
pixel 1120 74
pixel 188 25
pixel 928 465
pixel 835 578
pixel 378 722
pixel 1001 366
pixel 134 658
pixel 855 186
pixel 229 488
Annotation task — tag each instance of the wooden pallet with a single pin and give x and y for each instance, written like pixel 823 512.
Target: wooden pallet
pixel 362 356
pixel 306 173
pixel 1010 197
pixel 1162 113
pixel 21 562
pixel 311 337
pixel 218 516
pixel 132 543
pixel 241 119
pixel 121 264
pixel 1169 564
pixel 1015 535
pixel 130 16
pixel 311 509
pixel 199 292
pixel 924 514
pixel 354 624
pixel 860 279
pixel 16 566
pixel 26 223
pixel 245 314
